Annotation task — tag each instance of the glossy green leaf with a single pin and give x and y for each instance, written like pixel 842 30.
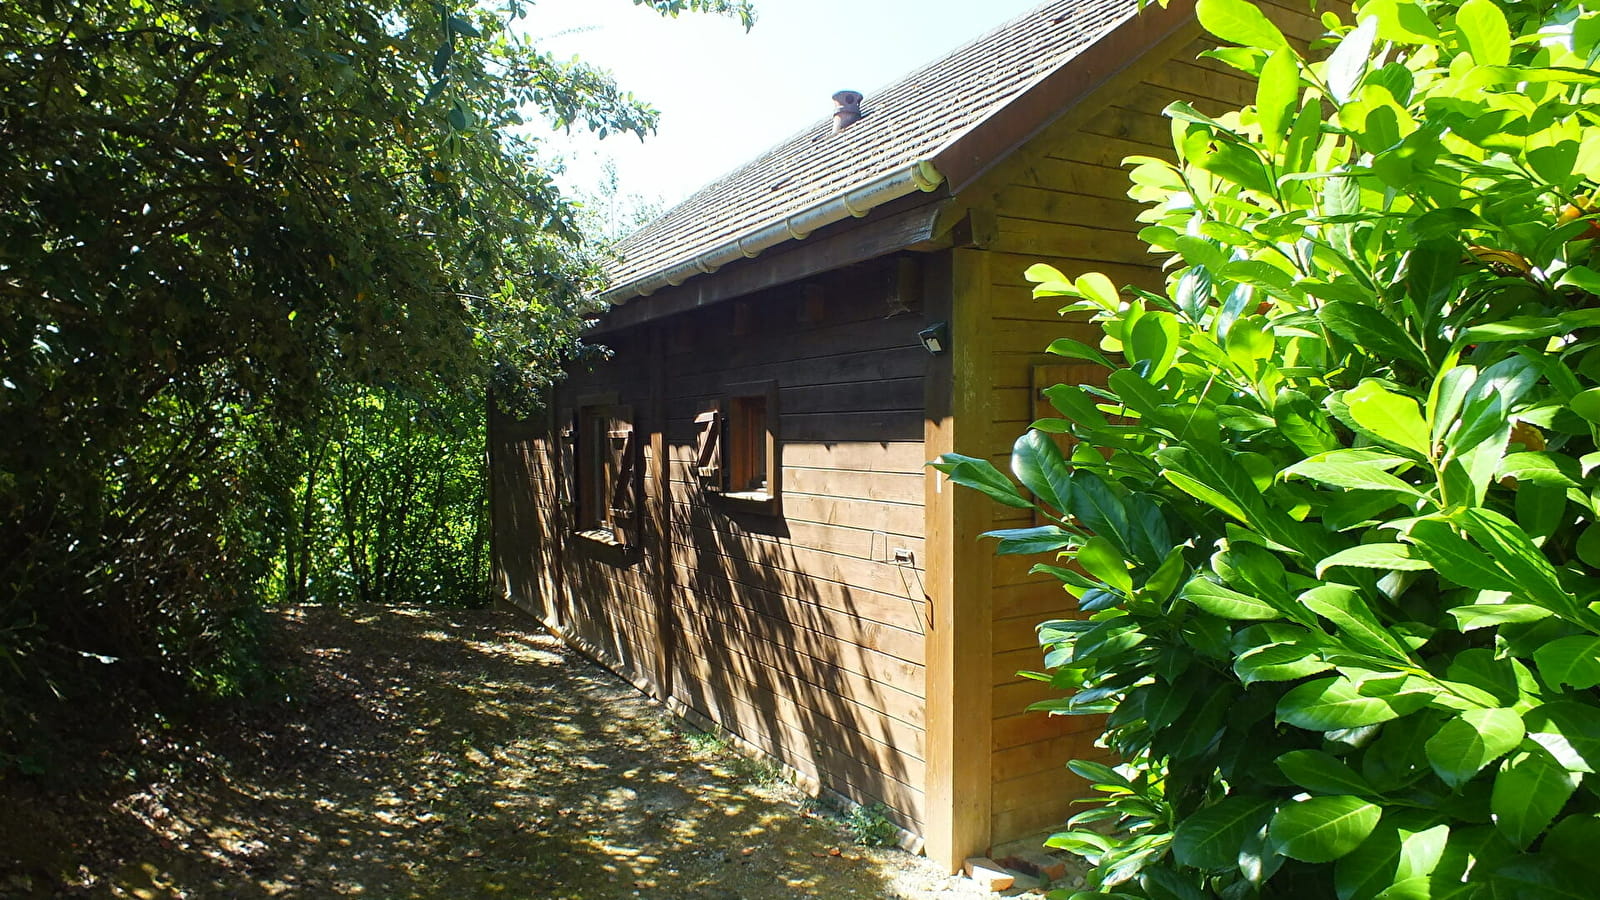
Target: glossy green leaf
pixel 1390 557
pixel 1214 477
pixel 1071 349
pixel 1394 417
pixel 1348 62
pixel 1322 773
pixel 1547 469
pixel 1328 704
pixel 1038 464
pixel 1099 509
pixel 1154 344
pixel 1344 607
pixel 1370 329
pixel 1212 837
pixel 1569 731
pixel 1483 27
pixel 1352 476
pixel 1076 404
pixel 1039 539
pixel 1229 604
pixel 1456 558
pixel 1239 22
pixel 1467 743
pixel 981 475
pixel 1535 578
pixel 1303 423
pixel 1100 559
pixel 1529 790
pixel 1402 21
pixel 1277 94
pixel 1587 404
pixel 1573 661
pixel 1390 855
pixel 1322 829
pixel 1279 662
pixel 1488 615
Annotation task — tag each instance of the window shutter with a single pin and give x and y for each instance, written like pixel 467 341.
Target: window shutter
pixel 624 491
pixel 708 451
pixel 567 479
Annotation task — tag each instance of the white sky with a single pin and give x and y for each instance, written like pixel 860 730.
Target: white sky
pixel 724 95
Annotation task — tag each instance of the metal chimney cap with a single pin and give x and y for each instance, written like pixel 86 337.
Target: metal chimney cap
pixel 846 109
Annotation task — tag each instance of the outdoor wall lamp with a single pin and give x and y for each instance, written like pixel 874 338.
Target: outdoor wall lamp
pixel 935 338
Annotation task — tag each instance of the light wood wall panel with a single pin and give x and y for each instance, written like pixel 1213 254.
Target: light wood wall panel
pixel 1062 201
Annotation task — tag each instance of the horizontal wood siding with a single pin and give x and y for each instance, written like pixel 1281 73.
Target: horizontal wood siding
pixel 796 631
pixel 1064 202
pixel 600 597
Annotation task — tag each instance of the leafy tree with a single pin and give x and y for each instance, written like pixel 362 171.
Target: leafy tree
pixel 221 223
pixel 387 505
pixel 1334 510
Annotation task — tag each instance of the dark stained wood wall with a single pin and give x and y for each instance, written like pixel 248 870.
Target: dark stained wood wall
pixel 796 631
pixel 600 597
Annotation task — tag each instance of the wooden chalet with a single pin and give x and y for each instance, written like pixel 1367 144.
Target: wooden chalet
pixel 733 510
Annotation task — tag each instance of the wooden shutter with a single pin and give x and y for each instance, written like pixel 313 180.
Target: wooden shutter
pixel 708 449
pixel 624 501
pixel 567 477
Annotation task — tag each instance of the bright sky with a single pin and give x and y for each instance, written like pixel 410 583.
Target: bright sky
pixel 724 95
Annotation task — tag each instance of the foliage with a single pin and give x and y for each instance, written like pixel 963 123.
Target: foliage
pixel 224 225
pixel 869 826
pixel 1333 512
pixel 387 504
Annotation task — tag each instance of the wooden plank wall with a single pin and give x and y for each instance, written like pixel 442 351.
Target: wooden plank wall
pixel 1063 201
pixel 599 597
pixel 797 632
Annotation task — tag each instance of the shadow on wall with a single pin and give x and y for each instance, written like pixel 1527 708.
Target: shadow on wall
pixel 806 640
pixel 803 638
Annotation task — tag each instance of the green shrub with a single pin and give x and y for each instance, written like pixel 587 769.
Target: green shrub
pixel 869 826
pixel 1334 510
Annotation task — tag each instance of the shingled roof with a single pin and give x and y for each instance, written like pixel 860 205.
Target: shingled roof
pixel 915 128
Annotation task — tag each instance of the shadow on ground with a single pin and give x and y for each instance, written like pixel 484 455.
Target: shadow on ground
pixel 457 754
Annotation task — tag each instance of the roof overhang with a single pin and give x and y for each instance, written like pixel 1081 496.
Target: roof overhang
pixel 955 166
pixel 912 223
pixel 856 203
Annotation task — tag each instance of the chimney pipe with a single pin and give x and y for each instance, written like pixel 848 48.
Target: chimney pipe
pixel 846 109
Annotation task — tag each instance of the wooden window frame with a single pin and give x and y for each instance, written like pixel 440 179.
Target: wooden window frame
pixel 746 445
pixel 606 474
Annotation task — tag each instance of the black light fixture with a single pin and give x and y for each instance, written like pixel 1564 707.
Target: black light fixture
pixel 935 338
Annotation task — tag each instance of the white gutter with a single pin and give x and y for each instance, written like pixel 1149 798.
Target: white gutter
pixel 917 176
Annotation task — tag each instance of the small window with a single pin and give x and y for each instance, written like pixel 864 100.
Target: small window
pixel 605 484
pixel 747 445
pixel 736 451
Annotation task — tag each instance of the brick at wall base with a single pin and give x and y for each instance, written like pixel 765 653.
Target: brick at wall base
pixel 988 873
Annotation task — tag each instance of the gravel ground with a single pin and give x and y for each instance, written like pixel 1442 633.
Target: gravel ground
pixel 440 754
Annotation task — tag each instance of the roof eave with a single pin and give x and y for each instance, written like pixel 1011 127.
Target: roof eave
pixel 920 175
pixel 972 153
pixel 958 163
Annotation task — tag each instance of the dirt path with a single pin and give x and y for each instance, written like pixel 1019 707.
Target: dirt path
pixel 448 754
